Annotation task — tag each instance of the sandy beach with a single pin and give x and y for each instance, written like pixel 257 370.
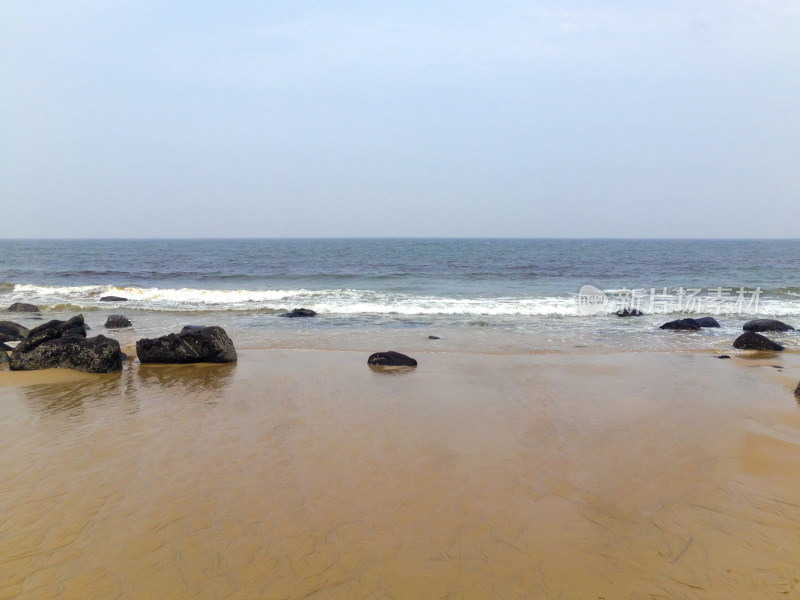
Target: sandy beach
pixel 304 474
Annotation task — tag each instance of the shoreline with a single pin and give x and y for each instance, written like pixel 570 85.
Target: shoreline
pixel 296 473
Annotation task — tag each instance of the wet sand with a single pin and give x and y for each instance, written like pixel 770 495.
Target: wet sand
pixel 304 474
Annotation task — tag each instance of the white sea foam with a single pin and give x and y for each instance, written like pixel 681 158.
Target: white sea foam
pixel 333 301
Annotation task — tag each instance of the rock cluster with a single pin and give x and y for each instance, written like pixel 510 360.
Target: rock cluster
pixel 63 344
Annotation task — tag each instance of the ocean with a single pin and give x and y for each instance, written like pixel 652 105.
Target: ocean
pixel 496 294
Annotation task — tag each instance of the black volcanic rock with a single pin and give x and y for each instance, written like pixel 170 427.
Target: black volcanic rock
pixel 22 307
pixel 117 322
pixel 299 312
pixel 707 322
pixel 113 299
pixel 391 359
pixel 750 340
pixel 207 344
pixel 63 344
pixel 12 332
pixel 682 324
pixel 766 325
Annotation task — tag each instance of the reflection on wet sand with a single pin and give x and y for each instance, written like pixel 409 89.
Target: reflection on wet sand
pixel 300 474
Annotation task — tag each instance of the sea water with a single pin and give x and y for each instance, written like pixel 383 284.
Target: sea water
pixel 500 293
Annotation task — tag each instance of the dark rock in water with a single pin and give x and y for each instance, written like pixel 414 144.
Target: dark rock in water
pixel 797 390
pixel 434 337
pixel 750 340
pixel 706 322
pixel 299 312
pixel 682 324
pixel 63 344
pixel 391 359
pixel 12 332
pixel 113 299
pixel 723 356
pixel 22 307
pixel 207 344
pixel 117 322
pixel 766 325
pixel 629 312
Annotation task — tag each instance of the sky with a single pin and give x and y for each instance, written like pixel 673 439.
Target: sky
pixel 503 118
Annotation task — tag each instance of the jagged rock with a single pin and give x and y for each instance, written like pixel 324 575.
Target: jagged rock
pixel 707 322
pixel 682 324
pixel 391 359
pixel 750 340
pixel 113 299
pixel 63 344
pixel 766 325
pixel 22 307
pixel 12 332
pixel 117 322
pixel 629 312
pixel 207 344
pixel 299 312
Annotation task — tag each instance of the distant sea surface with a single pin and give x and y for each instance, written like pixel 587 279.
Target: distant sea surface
pixel 530 288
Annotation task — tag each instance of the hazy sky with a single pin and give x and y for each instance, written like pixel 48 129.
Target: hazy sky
pixel 621 118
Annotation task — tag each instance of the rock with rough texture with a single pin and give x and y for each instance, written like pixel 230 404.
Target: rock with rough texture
pixel 207 344
pixel 63 344
pixel 391 359
pixel 682 324
pixel 629 312
pixel 22 307
pixel 766 325
pixel 707 322
pixel 117 322
pixel 299 312
pixel 113 299
pixel 12 332
pixel 751 340
pixel 3 357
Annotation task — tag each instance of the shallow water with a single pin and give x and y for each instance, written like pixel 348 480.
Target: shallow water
pixel 304 474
